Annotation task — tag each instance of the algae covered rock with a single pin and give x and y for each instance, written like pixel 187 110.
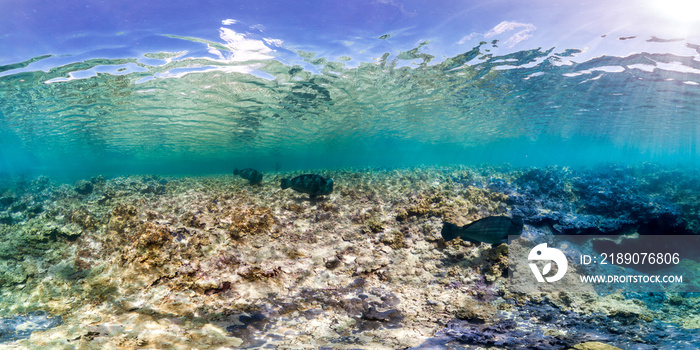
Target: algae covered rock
pixel 475 311
pixel 11 273
pixel 83 187
pixel 6 219
pixel 83 217
pixel 7 200
pixel 250 221
pixel 594 345
pixel 189 219
pixel 153 236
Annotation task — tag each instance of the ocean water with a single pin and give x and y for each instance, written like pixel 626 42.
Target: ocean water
pixel 129 92
pixel 122 226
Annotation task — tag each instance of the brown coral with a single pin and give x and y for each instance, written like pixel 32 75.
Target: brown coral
pixel 153 236
pixel 255 273
pixel 250 221
pixel 124 210
pixel 83 218
pixel 190 220
pixel 393 239
pixel 498 259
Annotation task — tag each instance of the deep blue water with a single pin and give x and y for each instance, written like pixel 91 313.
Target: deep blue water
pixel 202 87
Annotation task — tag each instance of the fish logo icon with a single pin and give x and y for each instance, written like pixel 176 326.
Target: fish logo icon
pixel 542 252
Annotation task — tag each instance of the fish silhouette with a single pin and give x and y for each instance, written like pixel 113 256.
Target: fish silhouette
pixel 491 229
pixel 252 175
pixel 311 184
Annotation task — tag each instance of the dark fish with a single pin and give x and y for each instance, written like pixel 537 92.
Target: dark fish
pixel 311 184
pixel 252 175
pixel 491 229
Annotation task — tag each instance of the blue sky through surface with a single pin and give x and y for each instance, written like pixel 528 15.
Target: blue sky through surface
pixel 330 28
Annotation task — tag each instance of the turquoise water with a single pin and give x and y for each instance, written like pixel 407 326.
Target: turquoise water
pixel 141 102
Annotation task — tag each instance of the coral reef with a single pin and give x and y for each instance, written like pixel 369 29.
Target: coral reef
pixel 545 326
pixel 606 200
pixel 214 263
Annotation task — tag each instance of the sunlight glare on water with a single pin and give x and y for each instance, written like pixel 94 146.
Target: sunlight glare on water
pixel 678 10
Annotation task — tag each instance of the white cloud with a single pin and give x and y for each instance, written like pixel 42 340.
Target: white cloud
pixel 467 38
pixel 244 49
pixel 397 4
pixel 228 22
pixel 274 42
pixel 524 32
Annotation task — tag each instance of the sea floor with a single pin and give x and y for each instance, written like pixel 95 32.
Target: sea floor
pixel 148 262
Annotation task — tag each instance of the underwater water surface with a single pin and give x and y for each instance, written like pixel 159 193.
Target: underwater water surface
pixel 128 91
pixel 124 225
